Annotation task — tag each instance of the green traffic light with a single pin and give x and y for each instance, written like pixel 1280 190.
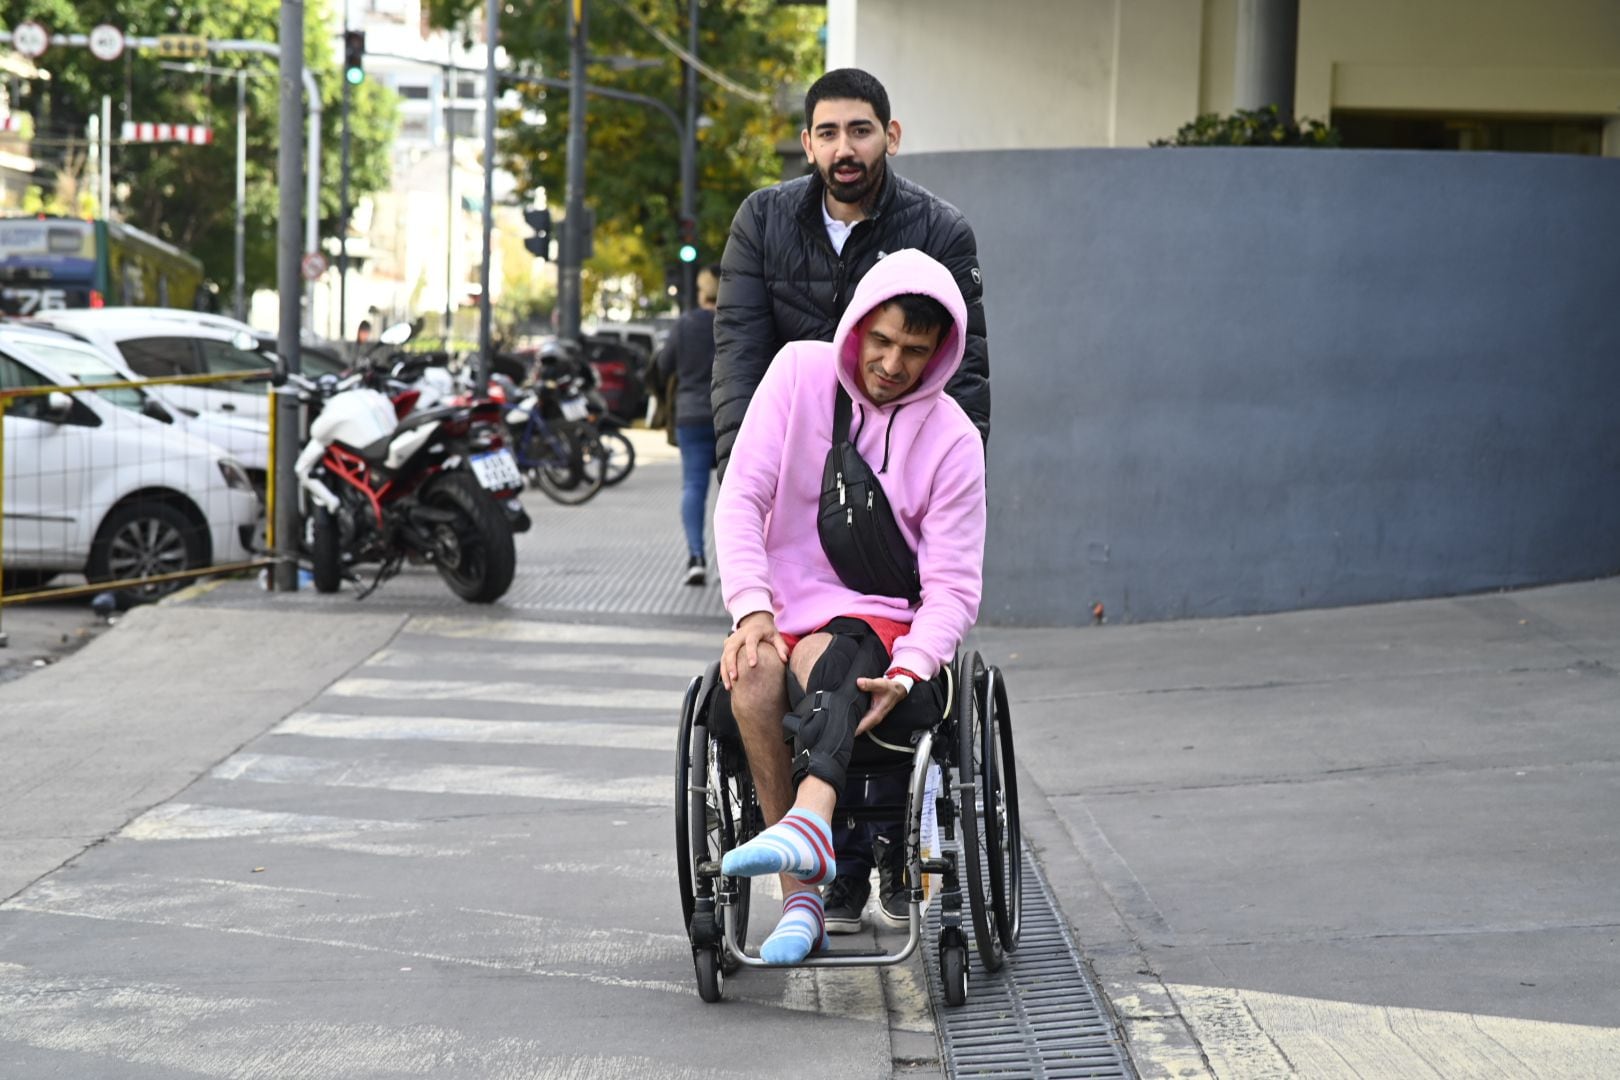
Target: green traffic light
pixel 688 253
pixel 355 75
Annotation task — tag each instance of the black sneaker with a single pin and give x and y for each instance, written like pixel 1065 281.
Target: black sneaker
pixel 894 899
pixel 695 570
pixel 845 900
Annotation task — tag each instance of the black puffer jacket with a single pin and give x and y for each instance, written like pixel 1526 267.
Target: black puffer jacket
pixel 782 281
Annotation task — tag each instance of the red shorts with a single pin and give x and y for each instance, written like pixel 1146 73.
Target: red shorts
pixel 887 631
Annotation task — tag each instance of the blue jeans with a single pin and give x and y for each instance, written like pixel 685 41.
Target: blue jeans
pixel 697 462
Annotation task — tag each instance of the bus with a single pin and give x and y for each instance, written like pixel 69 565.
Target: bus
pixel 60 262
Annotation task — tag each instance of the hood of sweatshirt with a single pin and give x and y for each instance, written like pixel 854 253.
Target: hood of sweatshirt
pixel 900 272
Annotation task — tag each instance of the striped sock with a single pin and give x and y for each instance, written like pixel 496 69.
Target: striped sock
pixel 801 929
pixel 800 844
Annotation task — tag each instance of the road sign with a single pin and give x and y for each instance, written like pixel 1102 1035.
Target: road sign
pixel 313 265
pixel 30 39
pixel 184 46
pixel 106 42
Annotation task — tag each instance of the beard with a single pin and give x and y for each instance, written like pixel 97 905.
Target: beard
pixel 860 191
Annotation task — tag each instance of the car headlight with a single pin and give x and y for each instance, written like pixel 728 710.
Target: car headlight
pixel 235 476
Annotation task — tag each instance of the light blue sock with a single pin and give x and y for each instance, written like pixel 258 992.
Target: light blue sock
pixel 800 844
pixel 801 929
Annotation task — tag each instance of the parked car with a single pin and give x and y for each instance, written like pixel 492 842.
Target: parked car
pixel 621 374
pixel 158 343
pixel 101 490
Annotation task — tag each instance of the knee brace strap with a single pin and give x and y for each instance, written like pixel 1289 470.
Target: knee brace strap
pixel 822 725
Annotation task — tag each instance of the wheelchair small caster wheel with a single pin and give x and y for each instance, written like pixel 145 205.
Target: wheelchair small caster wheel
pixel 953 968
pixel 710 979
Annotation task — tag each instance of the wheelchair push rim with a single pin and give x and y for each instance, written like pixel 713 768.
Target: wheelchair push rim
pixel 1005 841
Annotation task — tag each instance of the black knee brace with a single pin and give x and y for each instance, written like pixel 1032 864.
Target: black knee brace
pixel 822 725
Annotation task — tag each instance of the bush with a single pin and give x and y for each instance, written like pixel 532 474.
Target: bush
pixel 1252 127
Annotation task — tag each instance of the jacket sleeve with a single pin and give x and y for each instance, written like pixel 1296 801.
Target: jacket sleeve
pixel 747 494
pixel 950 562
pixel 970 386
pixel 744 328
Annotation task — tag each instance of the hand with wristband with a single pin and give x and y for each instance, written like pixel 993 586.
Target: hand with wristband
pixel 886 692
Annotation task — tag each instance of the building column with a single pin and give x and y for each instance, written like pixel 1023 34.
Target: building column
pixel 1267 51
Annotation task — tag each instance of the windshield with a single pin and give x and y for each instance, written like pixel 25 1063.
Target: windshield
pixel 83 364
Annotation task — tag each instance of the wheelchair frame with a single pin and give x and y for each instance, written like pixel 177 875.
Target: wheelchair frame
pixel 715 810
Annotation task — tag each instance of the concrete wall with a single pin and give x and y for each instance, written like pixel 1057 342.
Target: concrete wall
pixel 1238 381
pixel 1023 74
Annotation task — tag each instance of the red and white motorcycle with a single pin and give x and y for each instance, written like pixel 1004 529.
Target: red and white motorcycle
pixel 429 488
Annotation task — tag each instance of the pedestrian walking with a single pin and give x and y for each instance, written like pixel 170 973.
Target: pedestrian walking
pixel 688 356
pixel 794 256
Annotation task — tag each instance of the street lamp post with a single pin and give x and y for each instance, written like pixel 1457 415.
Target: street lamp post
pixel 689 155
pixel 573 246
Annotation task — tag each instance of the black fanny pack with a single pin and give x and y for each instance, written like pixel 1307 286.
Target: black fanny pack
pixel 856 524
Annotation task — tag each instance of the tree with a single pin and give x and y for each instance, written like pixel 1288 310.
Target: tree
pixel 186 194
pixel 633 160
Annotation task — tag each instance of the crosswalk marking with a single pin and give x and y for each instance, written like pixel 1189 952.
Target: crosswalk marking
pixel 514 693
pixel 506 780
pixel 540 633
pixel 617 665
pixel 168 1028
pixel 604 735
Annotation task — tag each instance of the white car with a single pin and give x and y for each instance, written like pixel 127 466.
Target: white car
pixel 151 343
pixel 97 489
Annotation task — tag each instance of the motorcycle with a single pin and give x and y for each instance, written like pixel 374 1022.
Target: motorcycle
pixel 551 434
pixel 427 488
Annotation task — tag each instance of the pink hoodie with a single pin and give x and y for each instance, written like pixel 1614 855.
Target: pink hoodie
pixel 765 521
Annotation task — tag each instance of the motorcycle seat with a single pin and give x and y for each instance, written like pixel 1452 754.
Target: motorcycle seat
pixel 375 453
pixel 426 416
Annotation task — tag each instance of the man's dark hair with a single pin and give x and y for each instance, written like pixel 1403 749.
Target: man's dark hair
pixel 847 84
pixel 922 313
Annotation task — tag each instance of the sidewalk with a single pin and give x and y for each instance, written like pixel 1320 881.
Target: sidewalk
pixel 1369 842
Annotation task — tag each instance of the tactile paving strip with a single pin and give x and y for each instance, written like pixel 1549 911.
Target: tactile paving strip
pixel 1039 1016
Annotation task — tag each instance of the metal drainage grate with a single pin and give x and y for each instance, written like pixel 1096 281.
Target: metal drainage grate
pixel 1039 1016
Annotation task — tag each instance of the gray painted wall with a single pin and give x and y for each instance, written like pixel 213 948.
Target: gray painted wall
pixel 1238 381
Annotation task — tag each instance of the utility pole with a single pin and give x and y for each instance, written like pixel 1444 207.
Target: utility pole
pixel 239 274
pixel 573 237
pixel 492 23
pixel 289 162
pixel 449 187
pixel 343 191
pixel 688 289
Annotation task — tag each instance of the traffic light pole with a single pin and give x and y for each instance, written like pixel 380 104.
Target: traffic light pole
pixel 485 312
pixel 569 266
pixel 688 289
pixel 343 221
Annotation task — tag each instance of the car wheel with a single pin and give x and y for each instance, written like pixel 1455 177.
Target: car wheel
pixel 146 539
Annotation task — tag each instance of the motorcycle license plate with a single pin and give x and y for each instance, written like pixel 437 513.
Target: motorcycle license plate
pixel 575 409
pixel 497 470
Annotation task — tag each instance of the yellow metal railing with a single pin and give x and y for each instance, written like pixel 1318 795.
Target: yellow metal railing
pixel 8 396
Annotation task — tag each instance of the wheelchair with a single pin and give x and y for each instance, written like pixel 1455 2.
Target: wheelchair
pixel 976 810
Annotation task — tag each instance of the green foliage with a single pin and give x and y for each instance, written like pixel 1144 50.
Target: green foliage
pixel 187 194
pixel 1252 127
pixel 633 158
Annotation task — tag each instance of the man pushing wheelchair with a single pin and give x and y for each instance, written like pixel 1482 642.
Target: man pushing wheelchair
pixel 849 535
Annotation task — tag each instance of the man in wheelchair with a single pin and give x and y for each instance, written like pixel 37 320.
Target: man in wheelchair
pixel 845 615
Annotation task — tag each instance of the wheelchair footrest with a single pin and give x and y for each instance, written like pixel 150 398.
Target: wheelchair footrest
pixel 850 952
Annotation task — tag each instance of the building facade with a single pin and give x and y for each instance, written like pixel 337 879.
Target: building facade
pixel 1392 74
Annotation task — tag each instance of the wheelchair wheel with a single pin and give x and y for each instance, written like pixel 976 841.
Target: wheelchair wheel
pixel 711 977
pixel 1005 835
pixel 953 967
pixel 685 864
pixel 980 786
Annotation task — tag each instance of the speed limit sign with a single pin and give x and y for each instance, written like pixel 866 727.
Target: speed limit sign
pixel 30 39
pixel 106 42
